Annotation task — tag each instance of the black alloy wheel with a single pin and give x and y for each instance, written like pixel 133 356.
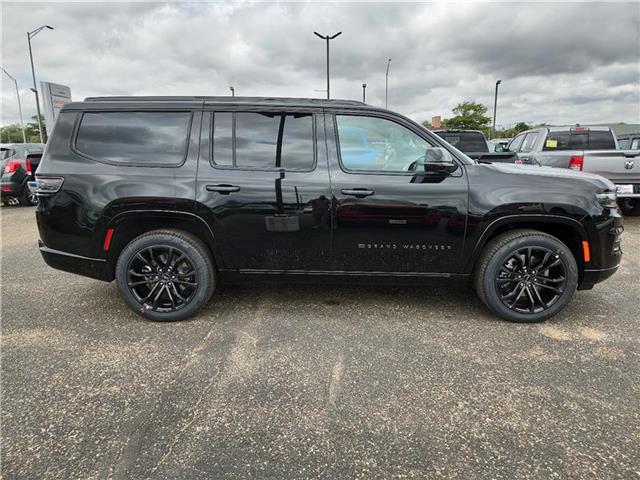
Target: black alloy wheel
pixel 165 275
pixel 162 278
pixel 531 280
pixel 526 275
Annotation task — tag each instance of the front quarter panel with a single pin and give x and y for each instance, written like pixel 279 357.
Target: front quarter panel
pixel 524 195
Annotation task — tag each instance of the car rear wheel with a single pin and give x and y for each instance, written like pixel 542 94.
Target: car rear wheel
pixel 526 276
pixel 165 275
pixel 629 206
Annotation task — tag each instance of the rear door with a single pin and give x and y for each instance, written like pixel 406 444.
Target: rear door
pixel 388 220
pixel 263 187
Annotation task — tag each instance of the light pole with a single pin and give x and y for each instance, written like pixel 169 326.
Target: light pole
pixel 386 86
pixel 495 106
pixel 233 91
pixel 30 35
pixel 364 92
pixel 24 137
pixel 327 38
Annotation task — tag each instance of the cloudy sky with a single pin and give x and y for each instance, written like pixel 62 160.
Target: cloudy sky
pixel 559 62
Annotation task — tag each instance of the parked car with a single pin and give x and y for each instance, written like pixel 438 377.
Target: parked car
pixel 587 149
pixel 630 141
pixel 18 164
pixel 171 196
pixel 500 144
pixel 475 145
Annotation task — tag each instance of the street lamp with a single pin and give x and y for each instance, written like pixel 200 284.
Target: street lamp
pixel 233 91
pixel 24 137
pixel 30 35
pixel 495 106
pixel 386 86
pixel 364 90
pixel 327 38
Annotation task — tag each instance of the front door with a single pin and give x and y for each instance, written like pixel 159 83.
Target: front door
pixel 387 218
pixel 263 188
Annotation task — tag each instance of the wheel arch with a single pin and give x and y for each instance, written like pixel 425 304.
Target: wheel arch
pixel 569 231
pixel 129 225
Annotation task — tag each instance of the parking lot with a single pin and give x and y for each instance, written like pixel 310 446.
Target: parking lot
pixel 324 381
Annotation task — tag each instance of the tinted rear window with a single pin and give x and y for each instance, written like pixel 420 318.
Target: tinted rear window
pixel 141 138
pixel 585 140
pixel 601 140
pixel 465 141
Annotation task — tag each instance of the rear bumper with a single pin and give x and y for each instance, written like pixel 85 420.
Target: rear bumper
pixel 89 267
pixel 11 189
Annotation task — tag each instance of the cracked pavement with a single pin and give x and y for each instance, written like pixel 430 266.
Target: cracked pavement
pixel 319 381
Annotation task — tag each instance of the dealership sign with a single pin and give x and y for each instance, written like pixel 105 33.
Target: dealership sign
pixel 54 96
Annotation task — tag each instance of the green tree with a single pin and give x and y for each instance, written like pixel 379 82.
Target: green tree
pixel 469 116
pixel 32 132
pixel 13 133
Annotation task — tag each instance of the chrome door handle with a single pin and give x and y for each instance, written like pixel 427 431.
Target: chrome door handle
pixel 357 192
pixel 223 189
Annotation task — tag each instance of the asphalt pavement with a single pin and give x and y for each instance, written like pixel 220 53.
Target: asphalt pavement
pixel 313 381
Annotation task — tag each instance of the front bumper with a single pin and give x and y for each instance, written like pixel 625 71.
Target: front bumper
pixel 606 257
pixel 89 267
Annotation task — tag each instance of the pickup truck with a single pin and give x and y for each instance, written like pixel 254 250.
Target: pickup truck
pixel 474 144
pixel 585 149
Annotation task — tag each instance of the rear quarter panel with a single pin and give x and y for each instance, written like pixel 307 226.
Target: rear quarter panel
pixel 75 219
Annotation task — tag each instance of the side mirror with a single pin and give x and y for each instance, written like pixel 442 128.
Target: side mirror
pixel 438 161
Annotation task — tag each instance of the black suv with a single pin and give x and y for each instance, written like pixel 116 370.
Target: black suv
pixel 171 196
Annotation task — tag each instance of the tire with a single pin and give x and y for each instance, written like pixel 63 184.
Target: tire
pixel 509 268
pixel 165 275
pixel 630 206
pixel 27 199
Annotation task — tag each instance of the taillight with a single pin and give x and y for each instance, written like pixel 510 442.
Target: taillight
pixel 48 184
pixel 28 165
pixel 12 166
pixel 575 163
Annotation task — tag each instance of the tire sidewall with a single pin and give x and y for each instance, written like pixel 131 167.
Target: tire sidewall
pixel 503 254
pixel 200 262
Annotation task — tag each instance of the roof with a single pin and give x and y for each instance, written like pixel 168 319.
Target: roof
pixel 227 100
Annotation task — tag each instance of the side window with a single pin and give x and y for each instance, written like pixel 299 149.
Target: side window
pixel 140 138
pixel 516 143
pixel 623 143
pixel 263 140
pixel 635 144
pixel 376 144
pixel 529 142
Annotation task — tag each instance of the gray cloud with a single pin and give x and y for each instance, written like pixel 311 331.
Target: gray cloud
pixel 560 63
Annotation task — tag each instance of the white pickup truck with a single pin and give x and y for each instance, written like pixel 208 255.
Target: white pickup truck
pixel 587 149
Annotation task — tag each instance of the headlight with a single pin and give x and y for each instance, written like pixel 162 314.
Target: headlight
pixel 607 199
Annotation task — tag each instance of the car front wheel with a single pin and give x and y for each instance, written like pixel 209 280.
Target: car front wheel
pixel 165 275
pixel 526 276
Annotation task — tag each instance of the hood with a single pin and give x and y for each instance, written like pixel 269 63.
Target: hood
pixel 598 182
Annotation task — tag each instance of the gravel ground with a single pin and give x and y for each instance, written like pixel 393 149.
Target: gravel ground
pixel 313 382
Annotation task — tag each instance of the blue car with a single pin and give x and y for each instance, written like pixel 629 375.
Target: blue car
pixel 355 148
